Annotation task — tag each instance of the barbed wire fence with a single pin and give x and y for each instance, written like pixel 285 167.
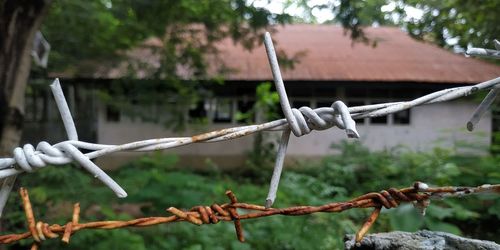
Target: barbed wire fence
pixel 420 195
pixel 299 121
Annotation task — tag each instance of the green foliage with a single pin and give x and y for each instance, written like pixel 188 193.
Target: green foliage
pixel 265 108
pixel 354 15
pixel 397 168
pixel 263 150
pixel 469 22
pixel 92 36
pixel 153 184
pixel 83 30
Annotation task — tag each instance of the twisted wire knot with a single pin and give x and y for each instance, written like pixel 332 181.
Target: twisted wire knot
pixel 306 119
pixel 199 215
pixel 29 159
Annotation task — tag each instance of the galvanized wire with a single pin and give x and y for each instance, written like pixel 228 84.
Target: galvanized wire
pixel 300 121
pixel 486 53
pixel 420 195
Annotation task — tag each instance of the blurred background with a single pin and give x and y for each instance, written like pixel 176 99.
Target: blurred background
pixel 134 70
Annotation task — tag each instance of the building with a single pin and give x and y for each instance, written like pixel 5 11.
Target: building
pixel 328 67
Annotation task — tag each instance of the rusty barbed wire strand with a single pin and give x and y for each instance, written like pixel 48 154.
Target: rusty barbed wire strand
pixel 419 194
pixel 299 121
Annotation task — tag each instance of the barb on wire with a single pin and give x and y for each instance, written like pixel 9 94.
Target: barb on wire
pixel 419 194
pixel 299 121
pixel 490 98
pixel 487 53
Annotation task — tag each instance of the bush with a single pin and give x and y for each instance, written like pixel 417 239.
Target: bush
pixel 154 184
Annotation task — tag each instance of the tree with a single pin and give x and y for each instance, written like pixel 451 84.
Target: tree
pixel 469 22
pixel 19 21
pixel 82 31
pixel 448 23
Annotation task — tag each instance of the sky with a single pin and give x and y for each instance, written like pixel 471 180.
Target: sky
pixel 322 15
pixel 277 6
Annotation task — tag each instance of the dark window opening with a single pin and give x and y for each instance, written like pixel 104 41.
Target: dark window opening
pixel 402 117
pixel 244 107
pixel 198 110
pixel 223 111
pixel 112 114
pixel 378 120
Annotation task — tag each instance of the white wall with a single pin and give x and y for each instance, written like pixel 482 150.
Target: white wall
pixel 432 125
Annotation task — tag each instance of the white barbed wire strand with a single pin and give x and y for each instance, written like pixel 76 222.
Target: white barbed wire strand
pixel 316 119
pixel 7 185
pixel 486 53
pixel 490 97
pixel 71 150
pixel 63 108
pixel 296 119
pixel 28 159
pixel 483 107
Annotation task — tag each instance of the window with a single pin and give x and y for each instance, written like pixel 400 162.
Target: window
pixel 381 120
pixel 223 111
pixel 402 117
pixel 243 107
pixel 198 110
pixel 112 114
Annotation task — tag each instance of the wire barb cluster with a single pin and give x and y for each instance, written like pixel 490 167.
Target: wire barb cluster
pixel 419 194
pixel 297 121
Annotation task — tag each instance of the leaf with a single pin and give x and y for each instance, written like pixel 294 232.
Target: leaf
pixel 405 218
pixel 495 209
pixel 438 212
pixel 440 226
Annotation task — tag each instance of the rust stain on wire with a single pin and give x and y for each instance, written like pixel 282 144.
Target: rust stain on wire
pixel 417 194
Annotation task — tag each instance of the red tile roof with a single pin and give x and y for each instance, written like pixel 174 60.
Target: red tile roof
pixel 329 55
pixel 324 54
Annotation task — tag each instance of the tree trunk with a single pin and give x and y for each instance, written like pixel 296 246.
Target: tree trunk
pixel 19 21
